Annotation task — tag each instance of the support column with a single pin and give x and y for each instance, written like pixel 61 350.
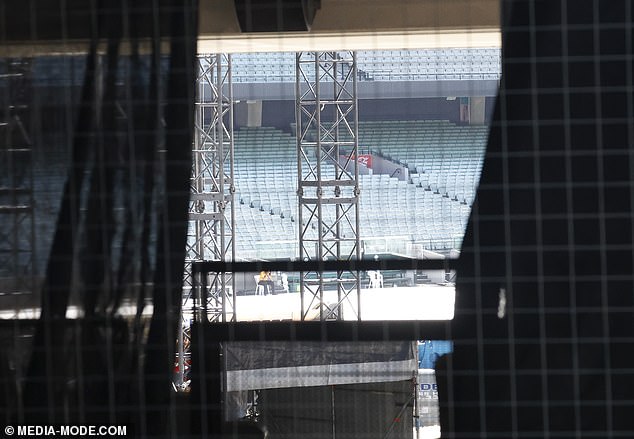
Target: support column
pixel 328 180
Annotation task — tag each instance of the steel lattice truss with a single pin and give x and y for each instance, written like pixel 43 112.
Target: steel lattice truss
pixel 328 178
pixel 212 212
pixel 17 225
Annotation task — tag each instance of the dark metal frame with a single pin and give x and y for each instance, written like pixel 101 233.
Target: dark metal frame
pixel 17 240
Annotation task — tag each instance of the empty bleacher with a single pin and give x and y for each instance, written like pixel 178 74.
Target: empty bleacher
pixel 431 209
pixel 431 64
pixel 266 204
pixel 442 157
pixel 381 65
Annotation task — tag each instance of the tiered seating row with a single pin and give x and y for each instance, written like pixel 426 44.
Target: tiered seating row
pixel 441 156
pixel 381 65
pixel 266 200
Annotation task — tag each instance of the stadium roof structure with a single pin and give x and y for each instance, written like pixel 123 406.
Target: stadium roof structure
pixel 363 40
pixel 338 25
pixel 360 25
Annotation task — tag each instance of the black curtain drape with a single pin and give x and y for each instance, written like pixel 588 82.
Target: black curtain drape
pixel 544 325
pixel 121 229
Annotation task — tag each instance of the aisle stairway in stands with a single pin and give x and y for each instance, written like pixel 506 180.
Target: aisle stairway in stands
pixel 441 156
pixel 431 208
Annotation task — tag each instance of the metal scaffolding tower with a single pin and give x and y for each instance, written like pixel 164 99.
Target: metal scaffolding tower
pixel 328 178
pixel 212 211
pixel 211 235
pixel 17 225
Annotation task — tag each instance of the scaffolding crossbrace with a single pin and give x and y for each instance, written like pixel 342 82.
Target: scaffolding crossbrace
pixel 17 225
pixel 211 232
pixel 212 212
pixel 328 179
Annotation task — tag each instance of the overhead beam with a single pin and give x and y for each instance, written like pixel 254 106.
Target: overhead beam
pixel 62 27
pixel 218 17
pixel 348 40
pixel 361 25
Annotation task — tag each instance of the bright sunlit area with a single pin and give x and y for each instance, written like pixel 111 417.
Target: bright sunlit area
pixel 345 155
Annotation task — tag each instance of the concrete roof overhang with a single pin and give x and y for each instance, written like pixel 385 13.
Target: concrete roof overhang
pixel 338 25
